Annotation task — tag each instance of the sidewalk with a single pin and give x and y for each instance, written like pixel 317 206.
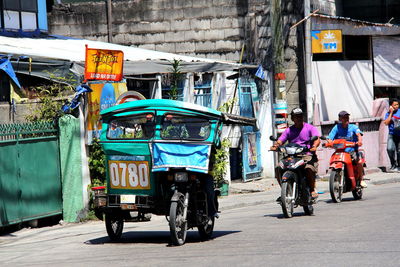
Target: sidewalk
pixel 266 190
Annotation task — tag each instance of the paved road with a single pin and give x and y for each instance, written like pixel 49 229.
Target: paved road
pixel 352 233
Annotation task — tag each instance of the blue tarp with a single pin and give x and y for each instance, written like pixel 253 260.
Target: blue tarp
pixel 5 65
pixel 178 155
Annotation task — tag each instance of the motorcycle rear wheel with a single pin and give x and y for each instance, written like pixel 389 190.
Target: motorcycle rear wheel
pixel 334 186
pixel 114 226
pixel 286 198
pixel 357 193
pixel 206 229
pixel 308 209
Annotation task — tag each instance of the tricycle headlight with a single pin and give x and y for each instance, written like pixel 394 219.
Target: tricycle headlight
pixel 181 177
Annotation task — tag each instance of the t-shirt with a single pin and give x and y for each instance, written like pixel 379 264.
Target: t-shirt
pixel 349 133
pixel 395 116
pixel 299 136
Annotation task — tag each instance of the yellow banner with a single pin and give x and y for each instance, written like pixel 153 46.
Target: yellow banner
pixel 105 65
pixel 104 95
pixel 326 41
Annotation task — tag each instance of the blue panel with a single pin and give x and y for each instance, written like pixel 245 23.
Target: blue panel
pixel 42 15
pixel 174 155
pixel 251 152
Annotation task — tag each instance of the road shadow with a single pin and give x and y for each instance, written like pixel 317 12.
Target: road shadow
pixel 155 237
pixel 347 199
pixel 281 216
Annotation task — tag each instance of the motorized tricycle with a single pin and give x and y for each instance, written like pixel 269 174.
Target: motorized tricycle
pixel 295 189
pixel 159 157
pixel 346 172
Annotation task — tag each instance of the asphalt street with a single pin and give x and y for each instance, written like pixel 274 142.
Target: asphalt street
pixel 352 233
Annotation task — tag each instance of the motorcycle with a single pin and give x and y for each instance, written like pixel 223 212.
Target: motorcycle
pixel 345 173
pixel 295 190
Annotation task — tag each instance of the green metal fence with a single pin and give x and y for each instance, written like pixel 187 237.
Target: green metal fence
pixel 30 181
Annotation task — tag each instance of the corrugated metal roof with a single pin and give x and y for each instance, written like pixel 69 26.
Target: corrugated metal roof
pixel 351 26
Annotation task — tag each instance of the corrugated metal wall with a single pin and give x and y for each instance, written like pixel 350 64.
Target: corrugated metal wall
pixel 30 177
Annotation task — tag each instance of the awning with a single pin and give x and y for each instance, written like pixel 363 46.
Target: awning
pixel 7 67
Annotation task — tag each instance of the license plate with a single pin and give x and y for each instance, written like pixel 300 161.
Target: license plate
pixel 128 207
pixel 128 198
pixel 129 174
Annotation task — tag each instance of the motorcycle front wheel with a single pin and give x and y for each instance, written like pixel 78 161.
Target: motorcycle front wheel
pixel 287 200
pixel 177 222
pixel 334 185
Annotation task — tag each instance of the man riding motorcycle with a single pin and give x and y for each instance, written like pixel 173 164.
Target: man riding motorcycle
pixel 301 133
pixel 350 132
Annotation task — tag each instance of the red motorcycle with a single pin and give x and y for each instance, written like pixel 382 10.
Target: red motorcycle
pixel 346 173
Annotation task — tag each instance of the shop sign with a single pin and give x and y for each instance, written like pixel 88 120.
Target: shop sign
pixel 326 41
pixel 104 65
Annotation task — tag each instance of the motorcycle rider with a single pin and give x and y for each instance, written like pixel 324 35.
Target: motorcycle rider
pixel 350 132
pixel 301 133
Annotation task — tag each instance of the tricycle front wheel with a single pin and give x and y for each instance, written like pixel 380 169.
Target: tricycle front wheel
pixel 177 222
pixel 114 226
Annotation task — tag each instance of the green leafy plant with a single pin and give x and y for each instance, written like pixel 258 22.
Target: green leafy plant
pixel 220 162
pixel 176 77
pixel 97 164
pixel 50 96
pixel 227 106
pixel 222 153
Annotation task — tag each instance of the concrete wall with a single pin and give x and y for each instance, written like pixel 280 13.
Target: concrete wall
pixel 217 29
pixel 327 7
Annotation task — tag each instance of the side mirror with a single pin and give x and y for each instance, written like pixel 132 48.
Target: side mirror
pixel 323 137
pixel 272 138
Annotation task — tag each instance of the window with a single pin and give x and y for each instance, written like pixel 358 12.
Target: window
pixel 134 127
pixel 19 14
pixel 167 89
pixel 202 90
pixel 185 127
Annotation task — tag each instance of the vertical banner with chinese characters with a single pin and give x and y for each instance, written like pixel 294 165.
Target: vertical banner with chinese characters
pixel 326 41
pixel 102 64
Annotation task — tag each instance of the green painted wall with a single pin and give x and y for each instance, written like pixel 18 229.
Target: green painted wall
pixel 71 169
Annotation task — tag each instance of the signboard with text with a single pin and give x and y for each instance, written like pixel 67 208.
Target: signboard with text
pixel 104 65
pixel 326 41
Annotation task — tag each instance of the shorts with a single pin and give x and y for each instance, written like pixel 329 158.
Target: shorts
pixel 311 162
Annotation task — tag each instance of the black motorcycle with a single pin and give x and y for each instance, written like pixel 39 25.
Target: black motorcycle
pixel 295 190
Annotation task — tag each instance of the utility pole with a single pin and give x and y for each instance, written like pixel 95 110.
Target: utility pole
pixel 109 20
pixel 309 88
pixel 278 47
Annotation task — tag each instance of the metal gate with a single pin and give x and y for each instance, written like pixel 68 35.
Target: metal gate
pixel 30 177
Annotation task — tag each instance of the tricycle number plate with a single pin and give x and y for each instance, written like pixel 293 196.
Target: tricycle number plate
pixel 129 174
pixel 128 198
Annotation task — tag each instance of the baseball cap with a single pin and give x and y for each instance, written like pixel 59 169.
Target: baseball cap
pixel 343 113
pixel 296 111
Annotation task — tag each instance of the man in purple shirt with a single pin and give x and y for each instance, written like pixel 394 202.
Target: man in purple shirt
pixel 301 133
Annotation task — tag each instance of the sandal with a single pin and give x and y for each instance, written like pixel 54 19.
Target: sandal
pixel 314 194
